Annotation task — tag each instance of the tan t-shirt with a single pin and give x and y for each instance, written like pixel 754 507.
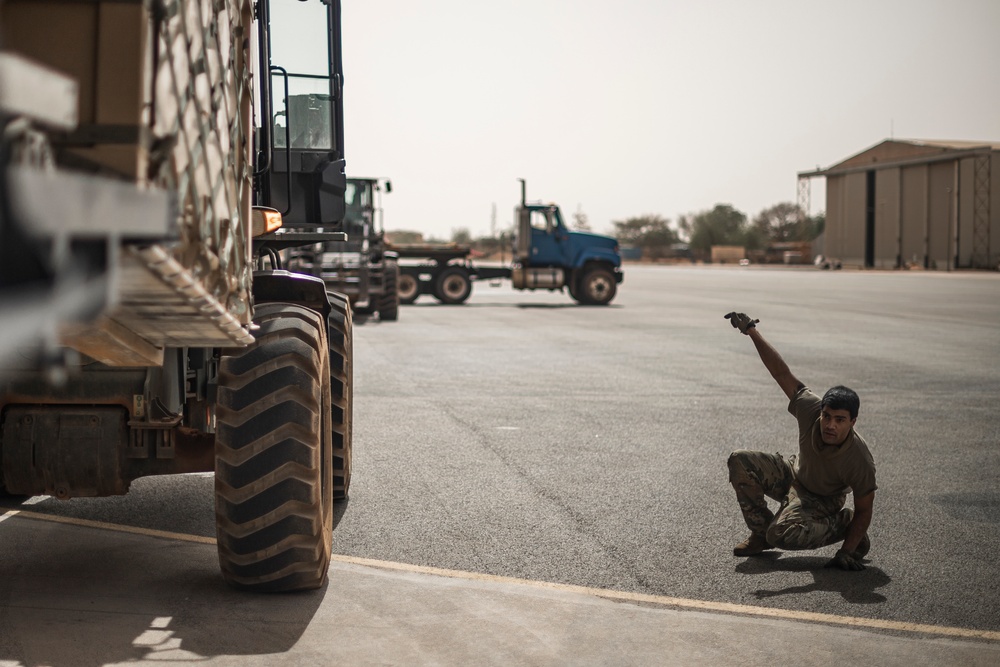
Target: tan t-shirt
pixel 824 469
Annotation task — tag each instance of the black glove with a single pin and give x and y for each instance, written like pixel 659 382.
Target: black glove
pixel 846 560
pixel 741 321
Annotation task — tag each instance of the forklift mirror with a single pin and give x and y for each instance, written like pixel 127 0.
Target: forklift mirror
pixel 388 186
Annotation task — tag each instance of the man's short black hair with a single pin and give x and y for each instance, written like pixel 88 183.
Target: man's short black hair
pixel 842 398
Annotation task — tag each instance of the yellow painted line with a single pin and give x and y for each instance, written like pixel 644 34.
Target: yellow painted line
pixel 682 603
pixel 149 532
pixel 661 600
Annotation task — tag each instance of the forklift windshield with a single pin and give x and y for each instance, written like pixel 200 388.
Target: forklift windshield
pixel 300 140
pixel 360 204
pixel 301 79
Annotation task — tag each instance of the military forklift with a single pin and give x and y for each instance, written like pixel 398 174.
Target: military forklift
pixel 360 267
pixel 149 157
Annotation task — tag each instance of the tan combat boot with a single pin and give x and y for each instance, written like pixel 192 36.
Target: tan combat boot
pixel 752 546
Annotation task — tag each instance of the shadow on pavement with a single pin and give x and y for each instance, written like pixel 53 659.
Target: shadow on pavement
pixel 79 596
pixel 982 506
pixel 854 587
pixel 339 510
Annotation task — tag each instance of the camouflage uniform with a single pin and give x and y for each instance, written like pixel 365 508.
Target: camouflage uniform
pixel 804 521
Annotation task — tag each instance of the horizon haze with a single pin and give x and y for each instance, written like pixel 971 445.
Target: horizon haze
pixel 647 107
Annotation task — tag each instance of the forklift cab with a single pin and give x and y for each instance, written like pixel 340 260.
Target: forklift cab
pixel 301 145
pixel 362 217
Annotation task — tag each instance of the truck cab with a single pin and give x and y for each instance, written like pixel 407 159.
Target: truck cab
pixel 548 255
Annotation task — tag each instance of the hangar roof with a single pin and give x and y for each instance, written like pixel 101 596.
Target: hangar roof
pixel 901 152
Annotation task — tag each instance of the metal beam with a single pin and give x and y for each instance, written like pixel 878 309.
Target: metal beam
pixel 36 91
pixel 53 204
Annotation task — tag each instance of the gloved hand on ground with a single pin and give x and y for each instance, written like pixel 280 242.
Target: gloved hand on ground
pixel 846 560
pixel 741 321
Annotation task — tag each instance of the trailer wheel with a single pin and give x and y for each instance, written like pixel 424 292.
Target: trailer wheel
pixel 340 335
pixel 273 469
pixel 388 301
pixel 453 286
pixel 597 287
pixel 408 288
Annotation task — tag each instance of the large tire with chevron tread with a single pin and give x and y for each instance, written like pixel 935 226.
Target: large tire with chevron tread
pixel 388 300
pixel 273 470
pixel 341 336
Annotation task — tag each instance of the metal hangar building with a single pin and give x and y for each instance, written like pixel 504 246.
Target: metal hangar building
pixel 913 204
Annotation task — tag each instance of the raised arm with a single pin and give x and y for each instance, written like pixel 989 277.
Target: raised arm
pixel 773 362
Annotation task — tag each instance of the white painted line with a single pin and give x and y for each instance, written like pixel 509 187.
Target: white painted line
pixel 665 601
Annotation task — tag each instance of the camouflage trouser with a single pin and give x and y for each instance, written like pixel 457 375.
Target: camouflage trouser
pixel 804 521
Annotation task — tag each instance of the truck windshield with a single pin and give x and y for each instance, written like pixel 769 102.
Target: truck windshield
pixel 300 74
pixel 541 219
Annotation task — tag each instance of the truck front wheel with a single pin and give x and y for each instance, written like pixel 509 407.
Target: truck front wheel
pixel 597 287
pixel 273 468
pixel 453 286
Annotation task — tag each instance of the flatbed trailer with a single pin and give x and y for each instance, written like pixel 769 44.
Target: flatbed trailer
pixel 446 271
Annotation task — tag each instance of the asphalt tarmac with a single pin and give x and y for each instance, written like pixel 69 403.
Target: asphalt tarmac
pixel 541 483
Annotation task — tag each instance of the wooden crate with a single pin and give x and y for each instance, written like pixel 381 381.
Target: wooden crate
pixel 105 47
pixel 164 101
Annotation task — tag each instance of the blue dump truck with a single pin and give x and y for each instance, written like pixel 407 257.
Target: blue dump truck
pixel 546 255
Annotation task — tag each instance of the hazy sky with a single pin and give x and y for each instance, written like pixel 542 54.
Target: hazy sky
pixel 632 107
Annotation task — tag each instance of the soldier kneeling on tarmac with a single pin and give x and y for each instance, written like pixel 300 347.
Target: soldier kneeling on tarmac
pixel 812 487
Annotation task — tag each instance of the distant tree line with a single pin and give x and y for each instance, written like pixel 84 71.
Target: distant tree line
pixel 722 225
pixel 659 237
